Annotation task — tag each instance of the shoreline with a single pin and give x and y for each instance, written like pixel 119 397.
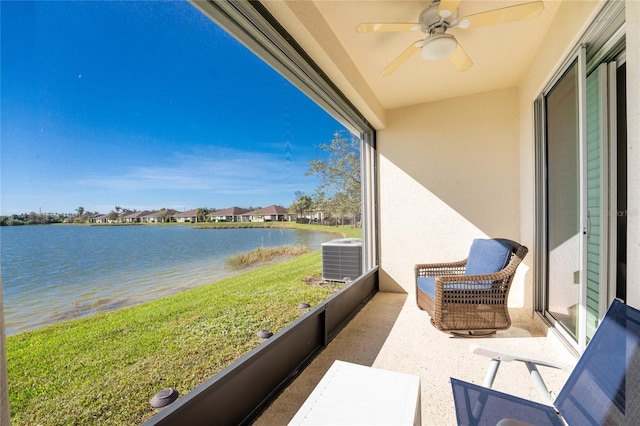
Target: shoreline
pixel 20 317
pixel 80 310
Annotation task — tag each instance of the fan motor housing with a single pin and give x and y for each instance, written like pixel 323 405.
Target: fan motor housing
pixel 431 21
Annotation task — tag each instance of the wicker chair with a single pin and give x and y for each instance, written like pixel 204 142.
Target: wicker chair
pixel 469 305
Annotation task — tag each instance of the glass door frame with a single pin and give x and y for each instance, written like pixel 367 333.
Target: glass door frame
pixel 602 43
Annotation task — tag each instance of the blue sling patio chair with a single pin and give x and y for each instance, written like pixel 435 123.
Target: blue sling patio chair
pixel 602 389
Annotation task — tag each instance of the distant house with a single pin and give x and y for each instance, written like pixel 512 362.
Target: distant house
pixel 164 215
pixel 188 216
pixel 268 214
pixel 134 217
pixel 100 218
pixel 232 214
pixel 272 213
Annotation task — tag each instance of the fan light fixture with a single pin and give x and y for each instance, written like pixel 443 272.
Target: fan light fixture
pixel 438 46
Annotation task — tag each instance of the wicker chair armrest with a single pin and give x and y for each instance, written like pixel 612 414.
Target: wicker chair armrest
pixel 436 269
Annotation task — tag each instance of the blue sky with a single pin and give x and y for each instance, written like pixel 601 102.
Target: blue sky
pixel 144 105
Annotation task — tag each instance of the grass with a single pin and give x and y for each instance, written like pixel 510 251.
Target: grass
pixel 263 254
pixel 345 231
pixel 104 369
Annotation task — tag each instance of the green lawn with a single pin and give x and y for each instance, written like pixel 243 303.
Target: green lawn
pixel 104 369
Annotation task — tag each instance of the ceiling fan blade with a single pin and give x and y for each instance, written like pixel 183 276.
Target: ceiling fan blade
pixel 460 59
pixel 402 58
pixel 387 26
pixel 505 14
pixel 448 7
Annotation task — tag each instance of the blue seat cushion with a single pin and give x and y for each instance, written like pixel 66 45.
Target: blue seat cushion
pixel 487 257
pixel 428 286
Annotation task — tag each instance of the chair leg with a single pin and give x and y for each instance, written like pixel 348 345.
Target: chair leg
pixel 494 364
pixel 540 385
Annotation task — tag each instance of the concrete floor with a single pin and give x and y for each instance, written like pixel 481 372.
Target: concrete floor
pixel 391 333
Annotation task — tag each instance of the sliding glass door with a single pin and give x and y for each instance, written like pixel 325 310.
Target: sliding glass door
pixel 564 235
pixel 581 179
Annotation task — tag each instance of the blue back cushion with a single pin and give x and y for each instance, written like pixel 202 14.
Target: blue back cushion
pixel 487 257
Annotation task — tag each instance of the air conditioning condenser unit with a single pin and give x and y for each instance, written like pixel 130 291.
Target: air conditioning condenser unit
pixel 342 259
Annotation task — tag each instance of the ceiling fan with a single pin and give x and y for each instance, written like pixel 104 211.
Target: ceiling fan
pixel 437 19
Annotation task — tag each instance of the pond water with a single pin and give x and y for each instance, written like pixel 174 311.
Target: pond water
pixel 52 273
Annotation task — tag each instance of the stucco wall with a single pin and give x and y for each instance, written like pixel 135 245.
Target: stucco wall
pixel 633 151
pixel 448 174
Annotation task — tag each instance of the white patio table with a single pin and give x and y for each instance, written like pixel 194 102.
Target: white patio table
pixel 353 394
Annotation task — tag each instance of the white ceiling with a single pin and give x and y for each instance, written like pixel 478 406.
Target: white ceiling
pixel 326 30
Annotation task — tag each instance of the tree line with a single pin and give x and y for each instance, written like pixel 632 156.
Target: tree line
pixel 33 218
